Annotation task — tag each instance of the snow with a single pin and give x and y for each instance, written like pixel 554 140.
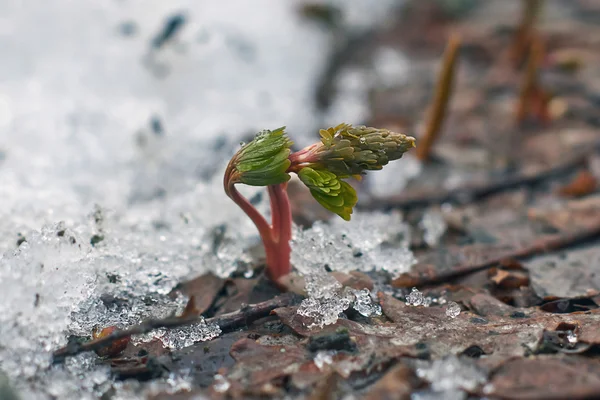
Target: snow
pixel 434 226
pixel 371 241
pixel 451 375
pixel 111 159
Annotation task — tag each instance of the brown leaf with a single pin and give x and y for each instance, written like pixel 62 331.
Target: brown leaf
pixel 396 384
pixel 546 378
pixel 583 184
pixel 354 279
pixel 115 348
pixel 202 292
pixel 258 366
pixel 509 279
pixel 572 216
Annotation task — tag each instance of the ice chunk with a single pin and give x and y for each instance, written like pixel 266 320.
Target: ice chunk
pixel 415 298
pixel 453 309
pixel 185 336
pixel 452 373
pixel 427 301
pixel 323 357
pixel 221 384
pixel 322 286
pixel 433 395
pixel 572 338
pixel 363 303
pixel 324 311
pixel 327 299
pixel 434 226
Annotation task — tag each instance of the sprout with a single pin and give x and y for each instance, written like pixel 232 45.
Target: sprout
pixel 343 152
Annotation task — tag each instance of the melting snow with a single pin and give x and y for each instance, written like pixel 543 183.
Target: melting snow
pixel 373 241
pixel 434 226
pixel 451 375
pixel 127 146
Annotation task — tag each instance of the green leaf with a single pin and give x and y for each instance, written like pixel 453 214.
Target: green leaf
pixel 264 161
pixel 330 191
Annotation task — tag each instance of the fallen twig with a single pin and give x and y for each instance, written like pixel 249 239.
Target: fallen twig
pixel 532 99
pixel 227 323
pixel 547 244
pixel 531 12
pixel 470 193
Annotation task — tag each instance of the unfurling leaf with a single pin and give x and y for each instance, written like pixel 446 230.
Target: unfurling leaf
pixel 331 192
pixel 346 150
pixel 264 161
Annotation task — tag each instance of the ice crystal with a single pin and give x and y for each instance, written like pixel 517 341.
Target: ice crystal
pixel 415 298
pixel 221 384
pixel 363 303
pixel 453 309
pixel 427 301
pixel 322 286
pixel 434 226
pixel 327 299
pixel 323 312
pixel 185 336
pixel 452 373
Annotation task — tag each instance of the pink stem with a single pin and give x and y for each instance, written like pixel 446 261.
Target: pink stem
pixel 282 229
pixel 266 234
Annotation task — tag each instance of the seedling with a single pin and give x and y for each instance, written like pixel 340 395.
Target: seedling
pixel 443 92
pixel 344 152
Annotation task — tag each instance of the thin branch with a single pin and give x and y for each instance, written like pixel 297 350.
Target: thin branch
pixel 227 323
pixel 541 246
pixel 470 193
pixel 522 40
pixel 440 102
pixel 530 87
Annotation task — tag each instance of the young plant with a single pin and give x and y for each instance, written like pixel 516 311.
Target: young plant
pixel 343 152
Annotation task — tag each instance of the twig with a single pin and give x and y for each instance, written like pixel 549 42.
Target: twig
pixel 522 39
pixel 471 193
pixel 227 323
pixel 548 244
pixel 440 102
pixel 531 91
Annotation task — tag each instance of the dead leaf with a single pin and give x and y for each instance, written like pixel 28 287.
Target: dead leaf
pixel 583 184
pixel 546 378
pixel 116 347
pixel 202 292
pixel 396 384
